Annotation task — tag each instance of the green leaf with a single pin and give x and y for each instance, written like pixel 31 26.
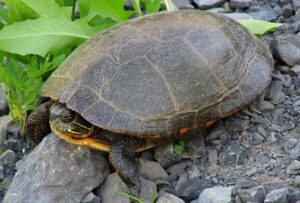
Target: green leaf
pixel 84 7
pixel 137 8
pixel 46 9
pixel 41 36
pixel 259 27
pixel 136 199
pixel 18 11
pixel 178 147
pixel 65 2
pixel 3 13
pixel 152 6
pixel 170 6
pixel 113 9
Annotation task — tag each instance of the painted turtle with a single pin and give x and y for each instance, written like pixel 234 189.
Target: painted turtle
pixel 151 79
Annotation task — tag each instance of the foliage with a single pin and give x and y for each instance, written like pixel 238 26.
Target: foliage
pixel 138 200
pixel 178 147
pixel 21 85
pixel 259 27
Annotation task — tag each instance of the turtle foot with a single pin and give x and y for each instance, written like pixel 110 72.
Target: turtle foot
pixel 122 157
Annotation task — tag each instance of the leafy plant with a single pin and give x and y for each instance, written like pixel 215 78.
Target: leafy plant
pixel 21 85
pixel 178 147
pixel 138 200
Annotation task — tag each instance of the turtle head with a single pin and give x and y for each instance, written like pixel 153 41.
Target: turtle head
pixel 69 122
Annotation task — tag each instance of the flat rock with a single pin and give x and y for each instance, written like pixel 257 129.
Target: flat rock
pixel 8 157
pixel 90 198
pixel 240 3
pixel 277 196
pixel 206 4
pixel 216 195
pixel 183 4
pixel 287 10
pixel 166 156
pixel 168 198
pixel 264 106
pixel 236 124
pixel 296 4
pixel 238 16
pixel 233 154
pixel 110 190
pixel 287 49
pixel 295 152
pixel 255 194
pixel 293 168
pixel 264 13
pixel 191 188
pixel 151 170
pixel 294 197
pixel 56 171
pixel 217 131
pixel 296 69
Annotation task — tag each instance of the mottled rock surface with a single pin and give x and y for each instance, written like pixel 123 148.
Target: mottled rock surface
pixel 55 171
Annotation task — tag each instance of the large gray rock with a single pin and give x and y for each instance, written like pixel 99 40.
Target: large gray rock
pixel 57 171
pixel 293 168
pixel 240 3
pixel 238 16
pixel 264 13
pixel 287 49
pixel 255 194
pixel 168 198
pixel 151 170
pixel 277 196
pixel 110 190
pixel 216 195
pixel 233 154
pixel 205 4
pixel 183 4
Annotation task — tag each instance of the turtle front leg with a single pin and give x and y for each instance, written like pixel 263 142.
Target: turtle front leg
pixel 122 157
pixel 37 123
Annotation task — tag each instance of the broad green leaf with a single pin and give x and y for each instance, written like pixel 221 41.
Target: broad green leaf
pixel 170 6
pixel 113 9
pixel 18 11
pixel 65 2
pixel 46 9
pixel 84 7
pixel 99 25
pixel 136 6
pixel 152 6
pixel 41 36
pixel 259 27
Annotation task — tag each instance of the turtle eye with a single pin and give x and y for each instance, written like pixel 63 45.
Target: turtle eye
pixel 67 115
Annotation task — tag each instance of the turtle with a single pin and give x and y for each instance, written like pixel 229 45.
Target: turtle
pixel 149 81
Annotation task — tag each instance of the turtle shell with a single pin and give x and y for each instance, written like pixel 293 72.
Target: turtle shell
pixel 157 74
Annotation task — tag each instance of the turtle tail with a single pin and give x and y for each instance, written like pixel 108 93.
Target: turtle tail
pixel 37 124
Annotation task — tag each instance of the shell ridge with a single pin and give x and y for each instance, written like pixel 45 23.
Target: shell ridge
pixel 168 86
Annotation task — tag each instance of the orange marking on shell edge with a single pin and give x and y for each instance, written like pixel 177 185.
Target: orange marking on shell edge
pixel 182 131
pixel 212 121
pixel 153 137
